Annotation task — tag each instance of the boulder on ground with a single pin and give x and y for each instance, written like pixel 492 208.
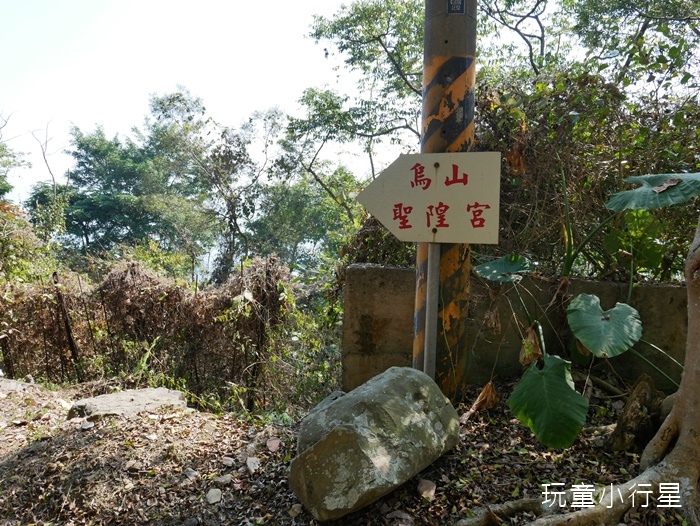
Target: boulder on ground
pixel 358 447
pixel 128 402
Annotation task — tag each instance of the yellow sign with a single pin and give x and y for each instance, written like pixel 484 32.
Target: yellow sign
pixel 438 197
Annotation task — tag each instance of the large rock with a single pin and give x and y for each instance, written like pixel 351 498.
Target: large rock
pixel 353 449
pixel 128 402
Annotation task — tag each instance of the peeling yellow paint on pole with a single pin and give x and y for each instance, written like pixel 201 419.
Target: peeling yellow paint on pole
pixel 449 75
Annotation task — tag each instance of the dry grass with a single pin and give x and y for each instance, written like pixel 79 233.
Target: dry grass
pixel 137 323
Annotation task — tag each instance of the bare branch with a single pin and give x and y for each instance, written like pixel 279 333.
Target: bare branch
pixel 400 72
pixel 43 145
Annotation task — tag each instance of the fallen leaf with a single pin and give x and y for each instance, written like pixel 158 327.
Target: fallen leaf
pixel 491 519
pixel 273 444
pixel 493 321
pixel 487 399
pixel 133 465
pixel 668 183
pixel 530 350
pixel 191 473
pixel 401 518
pixel 426 489
pixel 253 464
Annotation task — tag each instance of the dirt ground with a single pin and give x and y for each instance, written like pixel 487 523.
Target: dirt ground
pixel 191 468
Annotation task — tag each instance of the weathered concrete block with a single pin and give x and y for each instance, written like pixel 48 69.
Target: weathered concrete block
pixel 361 446
pixel 378 321
pixel 128 402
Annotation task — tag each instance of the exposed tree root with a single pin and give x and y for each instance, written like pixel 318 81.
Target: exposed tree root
pixel 612 502
pixel 660 444
pixel 494 515
pixel 679 465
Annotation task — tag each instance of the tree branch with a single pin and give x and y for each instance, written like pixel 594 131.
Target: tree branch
pixel 399 71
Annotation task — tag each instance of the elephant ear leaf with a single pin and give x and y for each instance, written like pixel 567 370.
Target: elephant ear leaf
pixel 545 401
pixel 656 191
pixel 604 333
pixel 506 269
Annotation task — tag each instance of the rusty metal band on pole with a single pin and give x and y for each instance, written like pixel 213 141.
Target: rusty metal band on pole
pixel 449 75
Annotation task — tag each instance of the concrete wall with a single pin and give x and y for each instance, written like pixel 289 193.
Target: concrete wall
pixel 378 324
pixel 378 321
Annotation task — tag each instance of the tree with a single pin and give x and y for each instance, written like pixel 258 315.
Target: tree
pixel 127 192
pixel 299 220
pixel 220 165
pixel 382 42
pixel 121 195
pixel 653 40
pixel 8 161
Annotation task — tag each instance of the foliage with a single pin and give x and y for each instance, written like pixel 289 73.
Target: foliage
pixel 382 42
pixel 9 159
pixel 506 269
pixel 242 346
pixel 118 193
pixel 546 401
pixel 600 135
pixel 604 333
pixel 23 257
pixel 299 221
pixel 656 40
pixel 547 112
pixel 212 159
pixel 656 191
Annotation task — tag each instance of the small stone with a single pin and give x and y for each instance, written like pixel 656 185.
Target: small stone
pixel 400 518
pixel 191 521
pixel 133 465
pixel 213 495
pixel 223 480
pixel 87 425
pixel 228 461
pixel 191 474
pixel 294 511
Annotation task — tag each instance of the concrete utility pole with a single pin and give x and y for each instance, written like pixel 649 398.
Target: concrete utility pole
pixel 449 76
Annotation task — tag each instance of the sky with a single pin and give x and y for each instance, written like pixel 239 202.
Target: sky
pixel 90 63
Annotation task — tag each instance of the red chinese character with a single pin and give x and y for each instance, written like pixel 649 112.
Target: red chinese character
pixel 419 178
pixel 401 213
pixel 478 210
pixel 440 210
pixel 455 177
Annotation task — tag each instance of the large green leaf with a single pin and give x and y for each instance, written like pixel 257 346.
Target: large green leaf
pixel 546 401
pixel 506 269
pixel 657 191
pixel 604 333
